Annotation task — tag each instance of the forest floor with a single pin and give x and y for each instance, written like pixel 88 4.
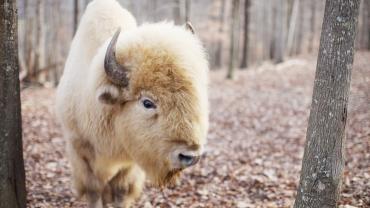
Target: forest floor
pixel 255 145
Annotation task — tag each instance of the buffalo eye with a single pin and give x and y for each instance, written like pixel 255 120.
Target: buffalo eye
pixel 148 104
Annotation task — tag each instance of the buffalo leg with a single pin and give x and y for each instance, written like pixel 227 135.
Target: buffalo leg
pixel 126 186
pixel 85 182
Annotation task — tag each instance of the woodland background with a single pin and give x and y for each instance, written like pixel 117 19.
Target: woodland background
pixel 266 30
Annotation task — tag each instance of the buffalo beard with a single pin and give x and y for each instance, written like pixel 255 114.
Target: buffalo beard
pixel 169 179
pixel 172 176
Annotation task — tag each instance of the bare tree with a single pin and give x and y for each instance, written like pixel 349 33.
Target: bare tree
pixel 55 59
pixel 300 29
pixel 234 37
pixel 75 16
pixel 187 10
pixel 23 39
pixel 12 176
pixel 218 55
pixel 267 28
pixel 280 31
pixel 367 6
pixel 244 62
pixel 41 40
pixel 34 44
pixel 86 2
pixel 323 159
pixel 177 11
pixel 362 40
pixel 153 6
pixel 292 26
pixel 312 25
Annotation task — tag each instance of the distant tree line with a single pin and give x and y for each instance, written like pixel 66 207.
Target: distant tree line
pixel 264 30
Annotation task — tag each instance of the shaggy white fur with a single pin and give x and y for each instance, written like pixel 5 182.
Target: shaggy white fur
pixel 112 138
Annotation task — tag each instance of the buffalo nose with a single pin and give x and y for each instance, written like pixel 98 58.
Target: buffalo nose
pixel 188 160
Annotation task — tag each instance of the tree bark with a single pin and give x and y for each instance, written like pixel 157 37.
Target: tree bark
pixel 42 30
pixel 312 26
pixel 367 4
pixel 177 12
pixel 323 159
pixel 272 32
pixel 234 36
pixel 12 175
pixel 281 31
pixel 187 10
pixel 75 16
pixel 86 2
pixel 298 40
pixel 244 62
pixel 279 34
pixel 218 56
pixel 37 50
pixel 266 29
pixel 292 26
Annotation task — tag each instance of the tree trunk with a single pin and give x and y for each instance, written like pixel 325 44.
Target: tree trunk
pixel 37 59
pixel 42 30
pixel 361 40
pixel 279 34
pixel 187 10
pixel 244 63
pixel 12 176
pixel 312 26
pixel 177 12
pixel 218 56
pixel 266 29
pixel 55 76
pixel 24 37
pixel 153 5
pixel 367 22
pixel 75 16
pixel 323 159
pixel 86 2
pixel 298 41
pixel 29 39
pixel 272 33
pixel 292 26
pixel 234 36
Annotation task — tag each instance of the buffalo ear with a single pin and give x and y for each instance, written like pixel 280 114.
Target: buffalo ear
pixel 189 27
pixel 108 94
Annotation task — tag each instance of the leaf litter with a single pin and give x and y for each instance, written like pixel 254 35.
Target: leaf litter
pixel 255 144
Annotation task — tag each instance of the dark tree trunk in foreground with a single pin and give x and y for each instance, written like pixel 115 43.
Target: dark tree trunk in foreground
pixel 244 63
pixel 323 159
pixel 12 177
pixel 234 37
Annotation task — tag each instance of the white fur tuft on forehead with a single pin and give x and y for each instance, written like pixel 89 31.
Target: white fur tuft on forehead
pixel 165 37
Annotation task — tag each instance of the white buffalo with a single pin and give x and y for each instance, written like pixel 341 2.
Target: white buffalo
pixel 132 102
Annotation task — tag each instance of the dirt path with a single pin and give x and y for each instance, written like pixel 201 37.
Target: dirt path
pixel 255 144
